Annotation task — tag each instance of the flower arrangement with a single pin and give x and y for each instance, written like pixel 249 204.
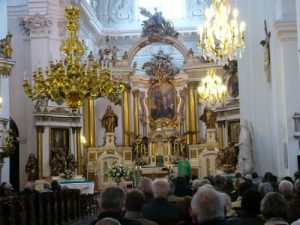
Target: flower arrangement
pixel 69 174
pixel 118 170
pixel 140 162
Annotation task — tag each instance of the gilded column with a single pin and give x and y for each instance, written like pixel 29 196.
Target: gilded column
pixel 91 123
pixel 40 131
pixel 126 125
pixel 86 131
pixel 78 148
pixel 187 116
pixel 220 127
pixel 136 112
pixel 193 111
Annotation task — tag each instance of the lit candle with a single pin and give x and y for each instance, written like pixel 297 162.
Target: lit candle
pixel 25 75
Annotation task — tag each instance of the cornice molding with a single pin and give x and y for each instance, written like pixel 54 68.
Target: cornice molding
pixel 286 29
pixel 34 24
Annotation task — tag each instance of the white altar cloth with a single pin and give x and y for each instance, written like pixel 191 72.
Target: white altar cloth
pixel 85 187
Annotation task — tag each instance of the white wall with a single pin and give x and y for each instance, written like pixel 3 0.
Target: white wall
pixel 270 106
pixel 4 87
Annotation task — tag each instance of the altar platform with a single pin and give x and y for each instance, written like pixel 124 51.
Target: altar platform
pixel 157 172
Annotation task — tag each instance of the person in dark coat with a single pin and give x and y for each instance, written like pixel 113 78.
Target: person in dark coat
pixel 294 204
pixel 111 203
pixel 250 209
pixel 159 207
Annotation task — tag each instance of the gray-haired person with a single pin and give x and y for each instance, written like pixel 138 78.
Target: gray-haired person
pixel 208 206
pixel 112 200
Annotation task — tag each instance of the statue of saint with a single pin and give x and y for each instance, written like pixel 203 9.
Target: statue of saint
pixel 245 157
pixel 31 168
pixel 109 120
pixel 71 163
pixel 209 118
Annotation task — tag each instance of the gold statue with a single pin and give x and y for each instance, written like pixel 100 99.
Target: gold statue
pixel 5 46
pixel 209 118
pixel 109 120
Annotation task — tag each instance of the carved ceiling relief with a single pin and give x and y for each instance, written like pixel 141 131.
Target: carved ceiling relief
pixel 121 11
pixel 197 7
pixel 36 23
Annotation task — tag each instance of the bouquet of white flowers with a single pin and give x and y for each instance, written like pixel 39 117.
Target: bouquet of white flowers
pixel 118 170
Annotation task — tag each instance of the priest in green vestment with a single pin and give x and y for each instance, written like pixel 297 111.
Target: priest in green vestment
pixel 184 167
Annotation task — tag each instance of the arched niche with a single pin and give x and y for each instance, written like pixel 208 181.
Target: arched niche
pixel 141 43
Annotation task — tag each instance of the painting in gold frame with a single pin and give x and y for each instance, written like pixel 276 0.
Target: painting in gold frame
pixel 194 154
pixel 59 139
pixel 162 101
pixel 233 131
pixel 127 156
pixel 92 156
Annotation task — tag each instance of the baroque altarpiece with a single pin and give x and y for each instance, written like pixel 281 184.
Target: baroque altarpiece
pixel 159 119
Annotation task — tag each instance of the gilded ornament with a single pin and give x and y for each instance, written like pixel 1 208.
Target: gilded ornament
pixel 69 81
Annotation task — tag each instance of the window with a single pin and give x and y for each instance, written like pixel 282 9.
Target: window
pixel 171 9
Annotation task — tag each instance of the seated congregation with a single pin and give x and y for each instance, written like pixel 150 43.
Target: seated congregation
pixel 213 200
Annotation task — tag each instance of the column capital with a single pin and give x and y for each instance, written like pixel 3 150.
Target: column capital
pixel 193 84
pixel 40 129
pixel 135 93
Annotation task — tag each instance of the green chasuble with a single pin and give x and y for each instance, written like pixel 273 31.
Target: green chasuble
pixel 184 168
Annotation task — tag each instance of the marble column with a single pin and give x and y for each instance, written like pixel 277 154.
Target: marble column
pixel 40 131
pixel 78 152
pixel 126 125
pixel 89 122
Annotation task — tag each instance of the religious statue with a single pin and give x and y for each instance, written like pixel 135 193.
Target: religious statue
pixel 209 118
pixel 266 44
pixel 5 46
pixel 227 159
pixel 31 168
pixel 58 162
pixel 245 157
pixel 71 163
pixel 109 120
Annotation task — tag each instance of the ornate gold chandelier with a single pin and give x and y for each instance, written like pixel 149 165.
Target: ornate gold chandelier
pixel 71 81
pixel 221 38
pixel 212 91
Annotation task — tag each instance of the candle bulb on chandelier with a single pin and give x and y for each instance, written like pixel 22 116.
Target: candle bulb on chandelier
pixel 25 75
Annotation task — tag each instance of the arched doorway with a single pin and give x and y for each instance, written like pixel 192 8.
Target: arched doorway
pixel 14 175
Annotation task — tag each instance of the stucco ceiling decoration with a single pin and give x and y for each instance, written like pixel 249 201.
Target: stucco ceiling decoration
pixel 157 26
